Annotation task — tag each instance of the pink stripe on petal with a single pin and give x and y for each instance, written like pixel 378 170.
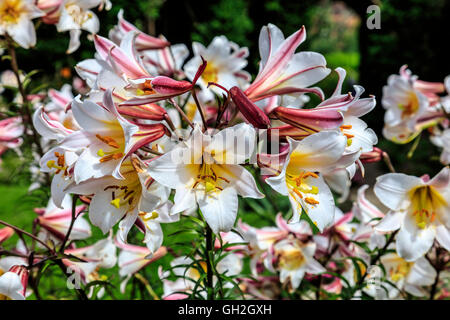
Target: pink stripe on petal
pixel 128 65
pixel 309 119
pixel 277 62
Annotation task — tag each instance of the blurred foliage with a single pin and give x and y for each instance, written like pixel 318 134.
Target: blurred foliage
pixel 227 17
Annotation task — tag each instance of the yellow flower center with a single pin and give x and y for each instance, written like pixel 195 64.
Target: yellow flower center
pixel 145 88
pixel 126 195
pixel 11 10
pixel 291 259
pixel 78 15
pixel 410 107
pixel 362 268
pixel 425 204
pixel 191 109
pixel 211 73
pixel 59 165
pixel 300 186
pixel 114 154
pixel 401 271
pixel 344 129
pixel 69 123
pixel 208 181
pixel 194 273
pixel 146 216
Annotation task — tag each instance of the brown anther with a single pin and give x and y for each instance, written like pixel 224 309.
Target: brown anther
pixel 310 174
pixel 304 175
pixel 224 179
pixel 348 135
pixel 147 87
pixel 113 156
pixel 298 193
pixel 311 200
pixel 127 195
pixel 108 140
pixel 111 187
pixel 433 216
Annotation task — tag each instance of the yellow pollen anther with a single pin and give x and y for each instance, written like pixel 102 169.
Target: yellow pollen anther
pixel 209 186
pixel 116 203
pixel 154 215
pixel 50 163
pixel 314 190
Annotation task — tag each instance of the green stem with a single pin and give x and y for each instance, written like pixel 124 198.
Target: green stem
pixel 200 110
pixel 147 286
pixel 72 222
pixel 375 259
pixel 27 233
pixel 80 292
pixel 24 111
pixel 209 268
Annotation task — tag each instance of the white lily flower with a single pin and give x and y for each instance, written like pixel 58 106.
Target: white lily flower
pixel 111 138
pixel 152 222
pixel 300 178
pixel 420 209
pixel 15 21
pixel 11 130
pixel 133 258
pixel 56 222
pixel 294 259
pixel 206 170
pixel 225 63
pixel 8 262
pixel 411 105
pixel 101 254
pixel 167 61
pixel 369 215
pixel 403 103
pixel 76 16
pixel 408 276
pixel 13 284
pixel 442 140
pixel 117 198
pixel 61 161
